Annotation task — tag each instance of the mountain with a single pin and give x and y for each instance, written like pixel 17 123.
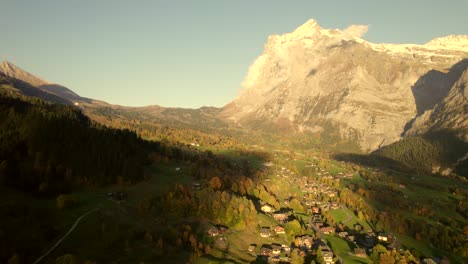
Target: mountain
pixel 451 114
pixel 31 85
pixel 147 117
pixel 13 71
pixel 332 82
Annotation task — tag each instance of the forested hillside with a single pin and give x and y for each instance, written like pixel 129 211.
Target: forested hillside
pixel 46 147
pixel 435 152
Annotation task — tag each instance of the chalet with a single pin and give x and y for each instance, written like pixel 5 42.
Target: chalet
pixel 358 227
pixel 316 218
pixel 286 248
pixel 316 210
pixel 276 249
pixel 266 250
pixel 328 230
pixel 279 230
pixel 383 237
pixel 360 252
pixel 305 241
pixel 213 231
pixel 280 217
pixel 327 254
pixel 328 257
pixel 252 247
pixel 217 230
pixel 318 224
pixel 267 208
pixel 196 185
pixel 343 234
pixel 265 231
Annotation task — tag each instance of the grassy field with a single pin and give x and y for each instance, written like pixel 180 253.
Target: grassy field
pixel 341 216
pixel 342 247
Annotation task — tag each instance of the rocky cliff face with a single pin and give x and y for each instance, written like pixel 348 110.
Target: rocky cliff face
pixel 327 80
pixel 449 115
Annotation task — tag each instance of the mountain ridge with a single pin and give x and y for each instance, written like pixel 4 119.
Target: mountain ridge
pixel 331 81
pixel 314 81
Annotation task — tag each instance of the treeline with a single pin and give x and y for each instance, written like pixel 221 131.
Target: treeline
pixel 152 128
pixel 434 149
pixel 45 147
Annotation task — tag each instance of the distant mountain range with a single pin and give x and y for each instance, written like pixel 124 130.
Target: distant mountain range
pixel 319 82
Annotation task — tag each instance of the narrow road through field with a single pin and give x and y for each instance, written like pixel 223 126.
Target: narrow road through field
pixel 65 236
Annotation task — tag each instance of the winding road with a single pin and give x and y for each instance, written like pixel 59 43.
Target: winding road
pixel 66 235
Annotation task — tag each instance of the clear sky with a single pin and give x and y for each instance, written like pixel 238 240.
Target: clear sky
pixel 188 53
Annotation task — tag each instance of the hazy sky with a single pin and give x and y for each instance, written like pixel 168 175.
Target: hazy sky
pixel 188 53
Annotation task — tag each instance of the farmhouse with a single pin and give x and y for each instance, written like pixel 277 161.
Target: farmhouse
pixel 383 237
pixel 267 208
pixel 266 250
pixel 265 231
pixel 279 230
pixel 328 230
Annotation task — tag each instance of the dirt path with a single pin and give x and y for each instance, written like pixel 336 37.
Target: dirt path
pixel 66 235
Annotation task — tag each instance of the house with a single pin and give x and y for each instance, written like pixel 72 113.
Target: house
pixel 383 237
pixel 305 241
pixel 328 257
pixel 276 249
pixel 196 185
pixel 279 230
pixel 213 231
pixel 318 224
pixel 265 250
pixel 358 227
pixel 286 248
pixel 316 210
pixel 280 217
pixel 252 247
pixel 267 208
pixel 328 230
pixel 265 231
pixel 351 238
pixel 327 254
pixel 343 234
pixel 360 252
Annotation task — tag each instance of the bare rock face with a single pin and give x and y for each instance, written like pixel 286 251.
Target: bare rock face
pixel 327 80
pixel 450 115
